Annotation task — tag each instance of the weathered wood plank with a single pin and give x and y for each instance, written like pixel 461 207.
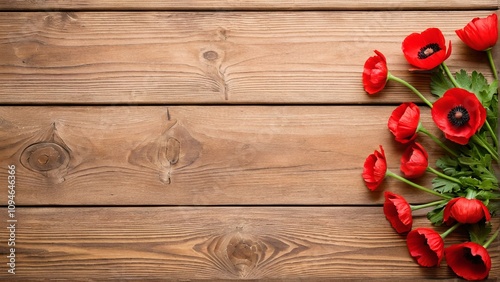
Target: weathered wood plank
pixel 185 155
pixel 292 244
pixel 245 5
pixel 225 57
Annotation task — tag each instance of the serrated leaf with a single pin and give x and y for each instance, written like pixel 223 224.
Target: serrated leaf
pixel 493 88
pixel 486 91
pixel 440 83
pixel 447 161
pixel 477 84
pixel 442 185
pixel 470 161
pixel 463 80
pixel 469 182
pixel 486 195
pixel 487 185
pixel 435 216
pixel 448 165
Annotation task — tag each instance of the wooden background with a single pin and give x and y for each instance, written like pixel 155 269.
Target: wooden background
pixel 209 139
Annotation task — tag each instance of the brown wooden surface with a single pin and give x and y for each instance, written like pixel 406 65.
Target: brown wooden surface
pixel 209 140
pixel 246 5
pixel 193 243
pixel 233 57
pixel 248 155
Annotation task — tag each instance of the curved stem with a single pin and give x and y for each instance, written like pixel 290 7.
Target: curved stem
pixel 441 144
pixel 415 185
pixel 447 232
pixel 487 244
pixel 431 204
pixel 450 76
pixel 492 63
pixel 405 83
pixel 442 175
pixel 492 132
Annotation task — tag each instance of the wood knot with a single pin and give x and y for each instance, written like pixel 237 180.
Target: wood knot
pixel 244 253
pixel 239 253
pixel 173 150
pixel 210 55
pixel 44 156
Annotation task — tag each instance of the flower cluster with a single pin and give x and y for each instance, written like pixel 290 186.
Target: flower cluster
pixel 465 110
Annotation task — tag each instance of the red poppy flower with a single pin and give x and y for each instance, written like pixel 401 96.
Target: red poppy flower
pixel 426 50
pixel 426 246
pixel 404 121
pixel 398 212
pixel 465 210
pixel 374 170
pixel 414 161
pixel 480 34
pixel 375 73
pixel 459 114
pixel 468 260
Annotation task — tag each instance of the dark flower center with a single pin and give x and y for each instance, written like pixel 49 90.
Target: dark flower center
pixel 473 259
pixel 428 50
pixel 458 116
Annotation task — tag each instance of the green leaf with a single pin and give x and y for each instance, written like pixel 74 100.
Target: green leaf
pixel 493 87
pixel 487 195
pixel 487 92
pixel 469 182
pixel 479 232
pixel 448 165
pixel 435 216
pixel 463 80
pixel 477 84
pixel 487 185
pixel 442 185
pixel 494 206
pixel 440 83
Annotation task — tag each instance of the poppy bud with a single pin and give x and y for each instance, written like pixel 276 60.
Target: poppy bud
pixel 375 73
pixel 374 169
pixel 465 210
pixel 414 161
pixel 404 121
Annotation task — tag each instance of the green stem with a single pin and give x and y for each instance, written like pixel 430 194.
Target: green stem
pixel 488 243
pixel 486 146
pixel 492 63
pixel 447 232
pixel 450 76
pixel 492 132
pixel 441 144
pixel 471 194
pixel 431 204
pixel 442 175
pixel 405 83
pixel 415 185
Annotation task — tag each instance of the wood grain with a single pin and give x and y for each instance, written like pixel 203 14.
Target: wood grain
pixel 213 57
pixel 210 140
pixel 199 155
pixel 182 243
pixel 245 5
